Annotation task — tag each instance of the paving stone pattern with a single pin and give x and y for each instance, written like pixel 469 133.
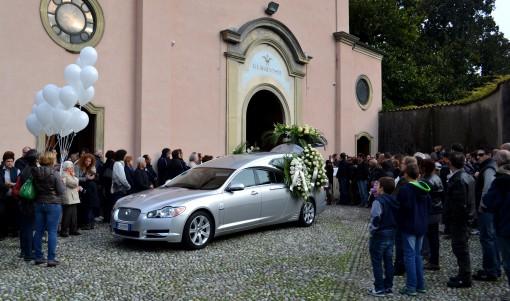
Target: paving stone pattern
pixel 328 261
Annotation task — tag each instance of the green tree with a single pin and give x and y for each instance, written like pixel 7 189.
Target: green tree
pixel 434 50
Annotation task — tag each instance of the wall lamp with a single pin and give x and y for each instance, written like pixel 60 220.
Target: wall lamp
pixel 272 7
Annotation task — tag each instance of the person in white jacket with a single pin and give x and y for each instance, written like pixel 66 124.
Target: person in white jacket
pixel 70 202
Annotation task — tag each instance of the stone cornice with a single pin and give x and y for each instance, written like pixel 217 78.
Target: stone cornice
pixel 353 41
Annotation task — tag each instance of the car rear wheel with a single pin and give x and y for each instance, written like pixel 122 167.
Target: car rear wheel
pixel 307 216
pixel 198 230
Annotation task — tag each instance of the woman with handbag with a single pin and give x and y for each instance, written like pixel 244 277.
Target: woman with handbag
pixel 26 208
pixel 48 207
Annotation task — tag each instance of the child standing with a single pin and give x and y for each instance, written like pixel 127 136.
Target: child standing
pixel 383 226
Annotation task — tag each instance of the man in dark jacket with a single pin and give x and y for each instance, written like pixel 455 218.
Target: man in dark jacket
pixel 21 163
pixel 459 210
pixel 343 175
pixel 163 166
pixel 176 166
pixel 412 217
pixel 491 263
pixel 497 202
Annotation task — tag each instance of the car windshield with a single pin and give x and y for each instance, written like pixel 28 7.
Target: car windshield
pixel 203 178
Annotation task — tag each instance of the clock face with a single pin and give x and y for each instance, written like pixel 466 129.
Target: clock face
pixel 73 24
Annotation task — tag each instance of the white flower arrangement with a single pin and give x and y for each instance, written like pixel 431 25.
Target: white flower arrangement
pixel 305 173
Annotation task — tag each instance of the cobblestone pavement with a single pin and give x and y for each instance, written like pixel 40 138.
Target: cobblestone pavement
pixel 328 261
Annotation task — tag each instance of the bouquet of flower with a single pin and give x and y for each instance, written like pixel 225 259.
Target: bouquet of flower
pixel 300 135
pixel 316 171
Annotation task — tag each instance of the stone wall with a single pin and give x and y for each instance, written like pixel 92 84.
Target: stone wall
pixel 484 123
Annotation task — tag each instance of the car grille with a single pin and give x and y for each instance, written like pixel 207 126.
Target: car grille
pixel 127 233
pixel 128 214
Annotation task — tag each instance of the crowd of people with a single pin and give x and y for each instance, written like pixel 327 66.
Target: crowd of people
pixel 73 195
pixel 410 196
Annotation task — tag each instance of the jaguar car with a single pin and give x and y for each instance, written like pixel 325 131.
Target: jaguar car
pixel 226 195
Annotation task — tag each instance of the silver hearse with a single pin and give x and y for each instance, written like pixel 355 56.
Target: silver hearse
pixel 225 195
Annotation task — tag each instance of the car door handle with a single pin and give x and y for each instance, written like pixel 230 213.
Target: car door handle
pixel 254 193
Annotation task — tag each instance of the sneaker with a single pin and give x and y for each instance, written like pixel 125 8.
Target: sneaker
pixel 52 263
pixel 421 290
pixel 459 283
pixel 405 291
pixel 375 293
pixel 75 233
pixel 62 234
pixel 388 292
pixel 39 261
pixel 474 232
pixel 483 276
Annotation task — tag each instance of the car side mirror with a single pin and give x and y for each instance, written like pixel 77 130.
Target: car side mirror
pixel 235 187
pixel 167 182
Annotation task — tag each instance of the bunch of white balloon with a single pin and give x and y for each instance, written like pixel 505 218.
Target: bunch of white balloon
pixel 54 111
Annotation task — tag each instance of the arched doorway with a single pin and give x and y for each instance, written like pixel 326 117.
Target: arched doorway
pixel 263 111
pixel 363 145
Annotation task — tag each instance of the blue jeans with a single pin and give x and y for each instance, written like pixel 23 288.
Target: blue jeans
pixel 413 262
pixel 381 251
pixel 47 217
pixel 491 262
pixel 363 191
pixel 504 245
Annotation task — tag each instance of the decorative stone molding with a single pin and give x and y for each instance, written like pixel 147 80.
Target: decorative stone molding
pixel 353 41
pixel 370 139
pixel 269 31
pixel 284 79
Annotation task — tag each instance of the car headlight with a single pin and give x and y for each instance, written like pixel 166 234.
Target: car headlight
pixel 166 212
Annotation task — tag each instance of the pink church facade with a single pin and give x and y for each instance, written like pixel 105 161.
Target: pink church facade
pixel 198 75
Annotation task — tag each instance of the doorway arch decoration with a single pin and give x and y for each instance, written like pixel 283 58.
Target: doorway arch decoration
pixel 262 54
pixel 370 139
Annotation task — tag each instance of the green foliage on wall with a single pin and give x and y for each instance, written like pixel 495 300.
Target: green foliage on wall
pixel 477 94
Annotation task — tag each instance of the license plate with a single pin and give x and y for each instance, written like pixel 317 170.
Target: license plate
pixel 122 226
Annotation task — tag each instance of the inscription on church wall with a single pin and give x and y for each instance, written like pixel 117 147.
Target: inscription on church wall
pixel 265 64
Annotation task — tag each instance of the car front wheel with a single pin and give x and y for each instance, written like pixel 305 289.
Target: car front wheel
pixel 198 231
pixel 307 216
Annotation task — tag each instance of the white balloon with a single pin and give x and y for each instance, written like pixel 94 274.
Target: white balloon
pixel 68 97
pixel 88 56
pixel 60 118
pixel 78 62
pixel 51 94
pixel 86 95
pixel 81 122
pixel 39 98
pixel 72 73
pixel 88 76
pixel 33 125
pixel 74 122
pixel 34 107
pixel 44 113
